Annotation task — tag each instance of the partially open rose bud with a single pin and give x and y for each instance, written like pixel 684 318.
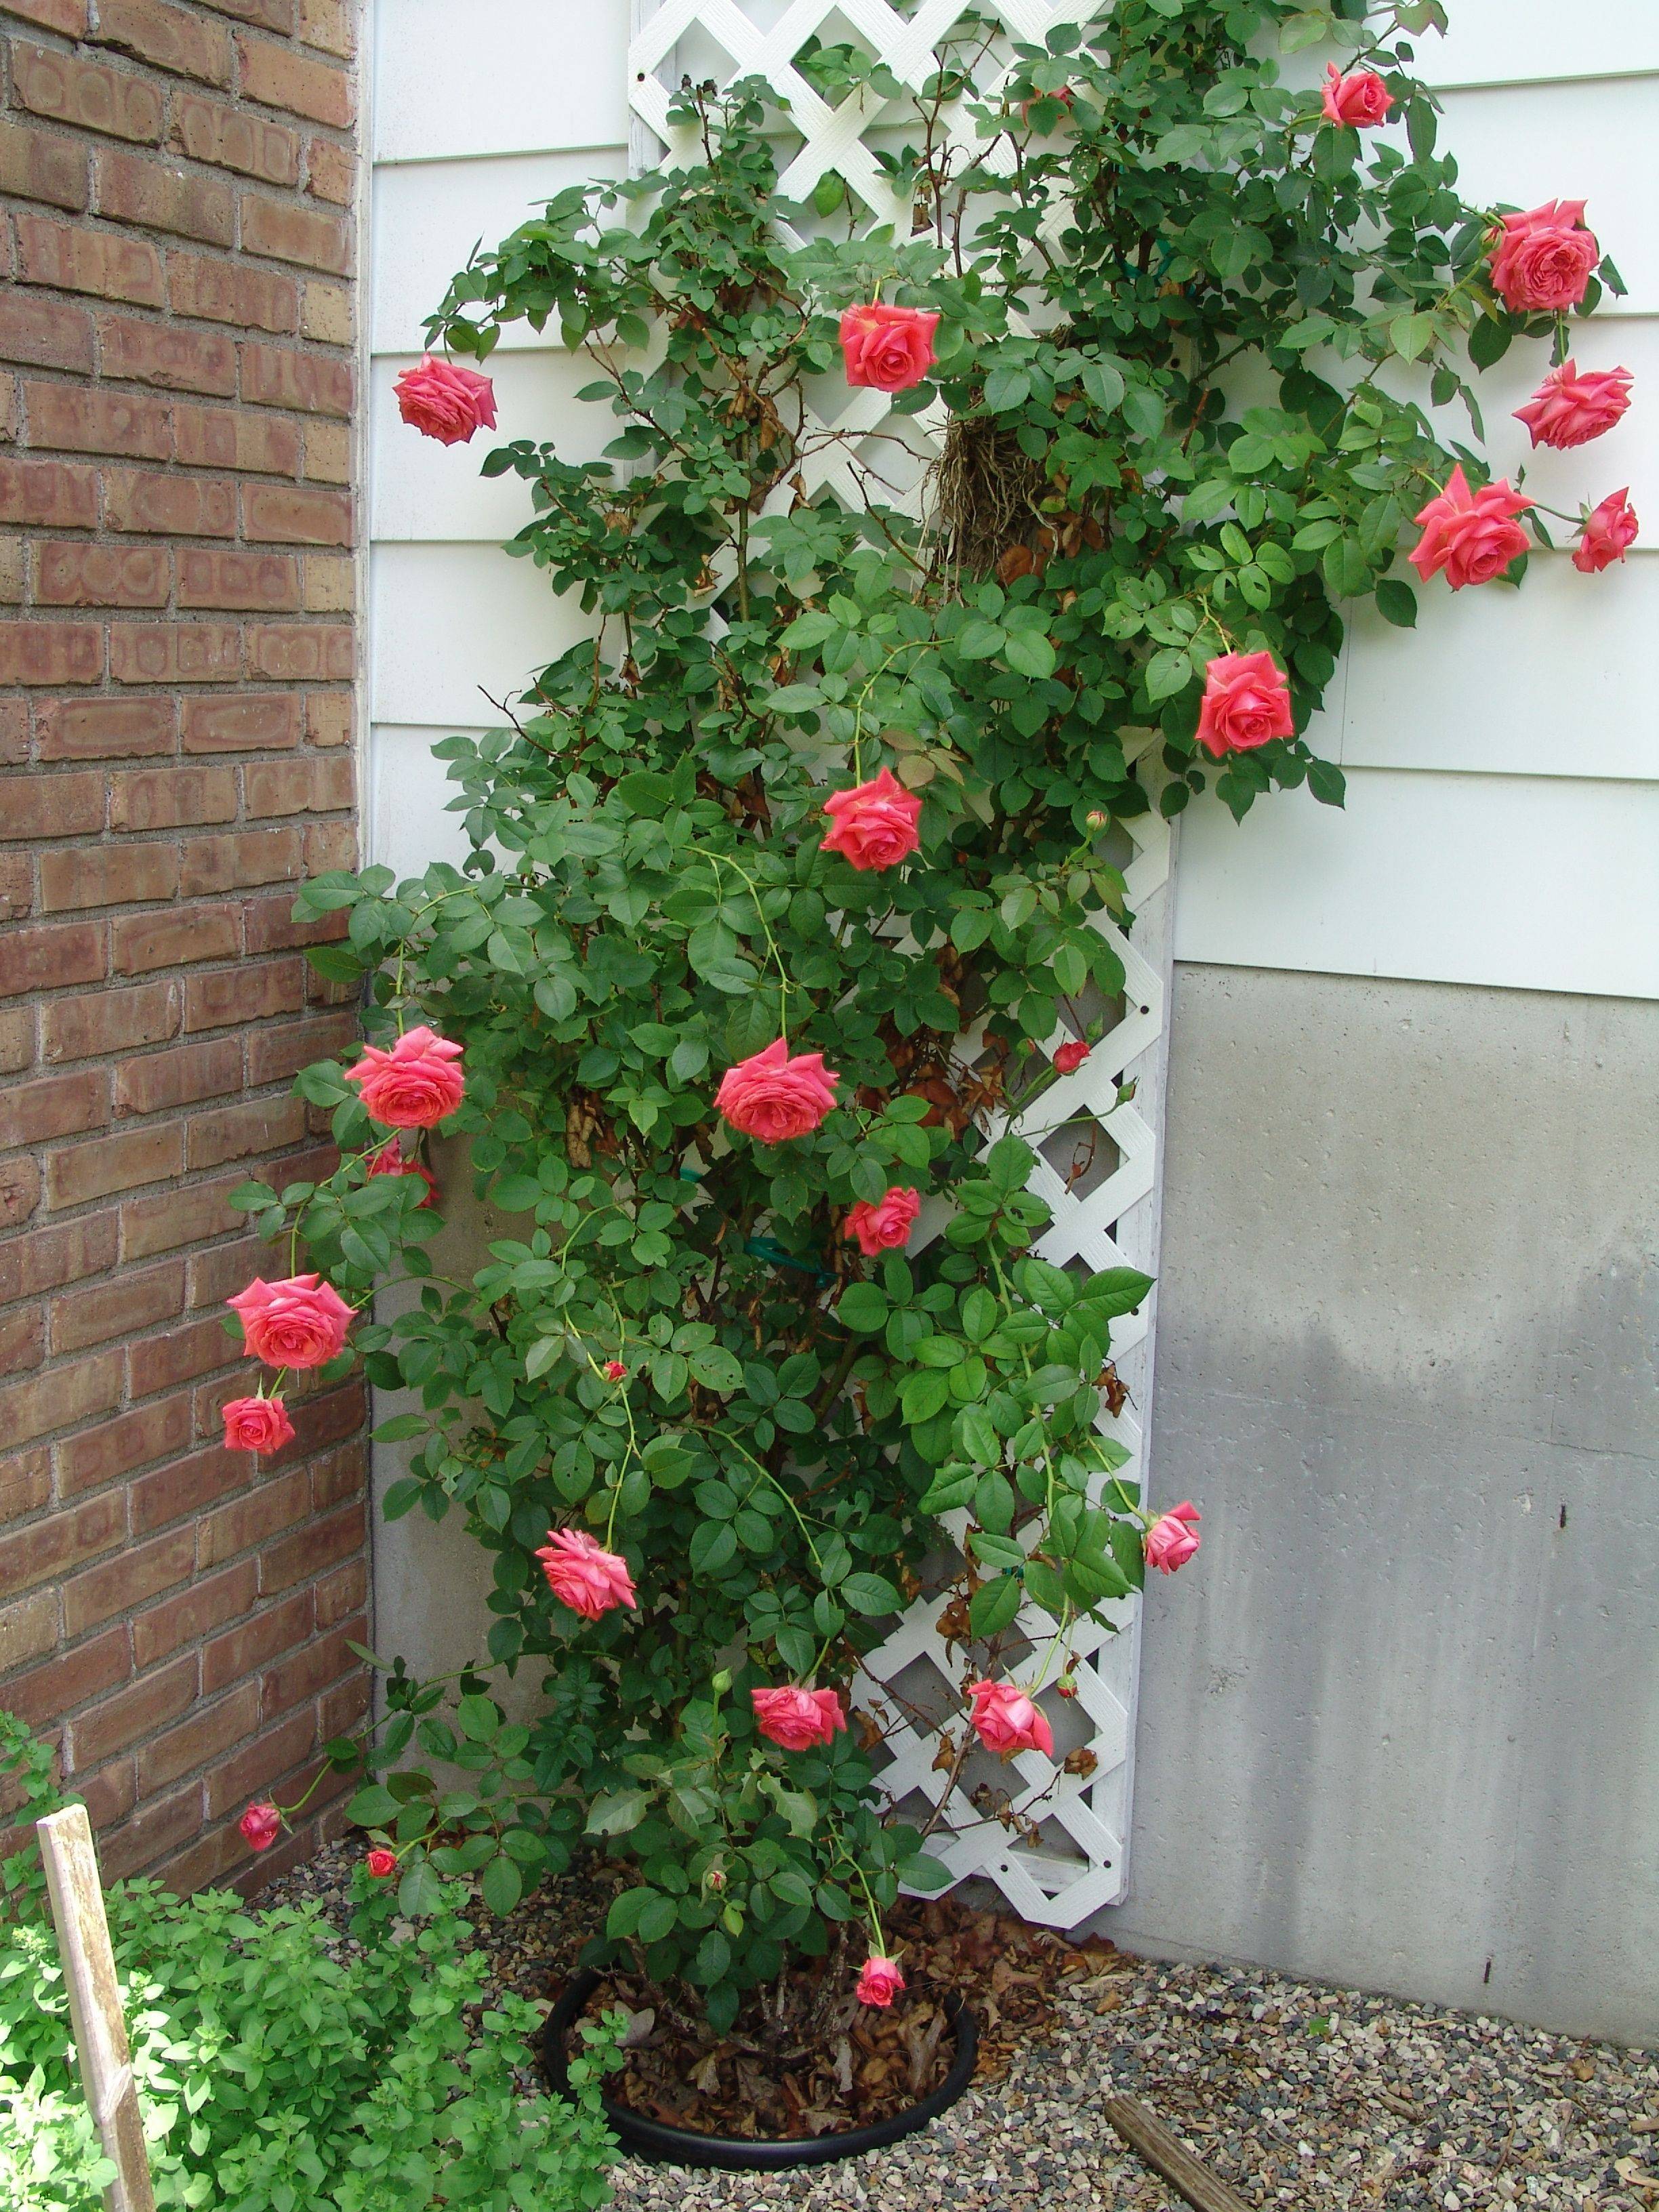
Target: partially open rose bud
pixel 1095 818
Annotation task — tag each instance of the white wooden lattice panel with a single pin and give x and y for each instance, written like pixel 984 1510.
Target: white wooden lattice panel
pixel 1054 1843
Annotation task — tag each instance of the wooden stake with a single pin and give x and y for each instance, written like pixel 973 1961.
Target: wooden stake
pixel 94 1996
pixel 1145 2132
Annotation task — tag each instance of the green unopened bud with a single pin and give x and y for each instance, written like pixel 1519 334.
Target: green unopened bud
pixel 722 1682
pixel 1095 818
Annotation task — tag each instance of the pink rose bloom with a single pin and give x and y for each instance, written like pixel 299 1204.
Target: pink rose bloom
pixel 301 1322
pixel 770 1097
pixel 1361 99
pixel 797 1719
pixel 1008 1721
pixel 445 402
pixel 412 1086
pixel 1246 703
pixel 880 1982
pixel 1607 534
pixel 583 1574
pixel 390 1160
pixel 1170 1542
pixel 1570 410
pixel 260 1824
pixel 1542 261
pixel 891 348
pixel 257 1425
pixel 381 1862
pixel 875 822
pixel 1071 1057
pixel 886 1225
pixel 1472 535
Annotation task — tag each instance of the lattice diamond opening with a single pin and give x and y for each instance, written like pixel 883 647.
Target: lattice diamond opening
pixel 1052 1835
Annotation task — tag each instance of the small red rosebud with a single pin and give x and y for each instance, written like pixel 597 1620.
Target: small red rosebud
pixel 382 1862
pixel 615 1371
pixel 1066 1685
pixel 260 1824
pixel 716 1878
pixel 1071 1057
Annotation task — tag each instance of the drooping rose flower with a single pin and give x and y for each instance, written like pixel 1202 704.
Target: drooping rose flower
pixel 797 1719
pixel 883 1224
pixel 1008 1721
pixel 301 1322
pixel 880 1981
pixel 1471 535
pixel 615 1371
pixel 1542 261
pixel 257 1425
pixel 412 1086
pixel 1607 534
pixel 583 1574
pixel 1070 1057
pixel 891 348
pixel 1360 99
pixel 874 823
pixel 1245 703
pixel 442 400
pixel 1063 98
pixel 1173 1538
pixel 390 1161
pixel 382 1862
pixel 1570 410
pixel 771 1098
pixel 260 1824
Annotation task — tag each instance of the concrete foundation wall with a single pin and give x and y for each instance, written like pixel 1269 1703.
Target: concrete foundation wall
pixel 1399 1721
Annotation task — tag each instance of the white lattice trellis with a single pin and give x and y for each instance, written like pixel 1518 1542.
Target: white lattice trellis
pixel 1105 1215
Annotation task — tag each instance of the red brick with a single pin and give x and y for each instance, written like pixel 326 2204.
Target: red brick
pixel 165 503
pixel 161 196
pixel 20 1191
pixel 193 1613
pixel 282 232
pixel 228 292
pixel 313 1669
pixel 106 875
pixel 141 1571
pixel 57 1106
pixel 268 926
pixel 132 1301
pixel 173 39
pixel 163 353
pixel 275 513
pixel 186 1486
pixel 156 1829
pixel 300 652
pixel 267 583
pixel 262 856
pixel 251 993
pixel 320 1544
pixel 22 1340
pixel 141 943
pixel 205 1864
pixel 118 1448
pixel 110 1021
pixel 314 384
pixel 46 1258
pixel 328 23
pixel 53 957
pixel 169 798
pixel 261 1125
pixel 331 171
pixel 149 1704
pixel 276 1051
pixel 16 904
pixel 345 1591
pixel 114 1164
pixel 175 652
pixel 51 1548
pixel 206 1736
pixel 218 1274
pixel 81 260
pixel 173 1218
pixel 329 1420
pixel 41 1698
pixel 157 1081
pixel 40 164
pixel 79 421
pixel 25 1483
pixel 245 722
pixel 69 805
pixel 79 575
pixel 256 1643
pixel 268 15
pixel 234 138
pixel 50 652
pixel 69 16
pixel 14 731
pixel 279 1502
pixel 256 1770
pixel 214 438
pixel 279 77
pixel 199 1348
pixel 48 332
pixel 299 786
pixel 49 495
pixel 27 1630
pixel 70 88
pixel 111 1794
pixel 328 717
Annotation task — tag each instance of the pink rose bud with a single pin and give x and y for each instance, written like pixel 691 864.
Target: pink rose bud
pixel 798 1719
pixel 1064 97
pixel 1097 818
pixel 1008 1721
pixel 301 1322
pixel 390 1161
pixel 771 1098
pixel 1471 535
pixel 891 348
pixel 444 401
pixel 1171 1541
pixel 1245 703
pixel 1607 534
pixel 1542 261
pixel 583 1574
pixel 260 1824
pixel 413 1085
pixel 880 1981
pixel 1570 410
pixel 716 1879
pixel 1070 1057
pixel 382 1862
pixel 257 1425
pixel 884 1225
pixel 1066 1685
pixel 615 1371
pixel 875 822
pixel 1361 99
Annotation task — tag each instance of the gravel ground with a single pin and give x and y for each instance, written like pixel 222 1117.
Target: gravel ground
pixel 1293 2094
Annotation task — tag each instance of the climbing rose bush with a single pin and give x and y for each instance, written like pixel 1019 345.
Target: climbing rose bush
pixel 784 892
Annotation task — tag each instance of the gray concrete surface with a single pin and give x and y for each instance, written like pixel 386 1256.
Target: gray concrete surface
pixel 1399 1724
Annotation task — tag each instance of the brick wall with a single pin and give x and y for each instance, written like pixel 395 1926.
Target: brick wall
pixel 176 655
